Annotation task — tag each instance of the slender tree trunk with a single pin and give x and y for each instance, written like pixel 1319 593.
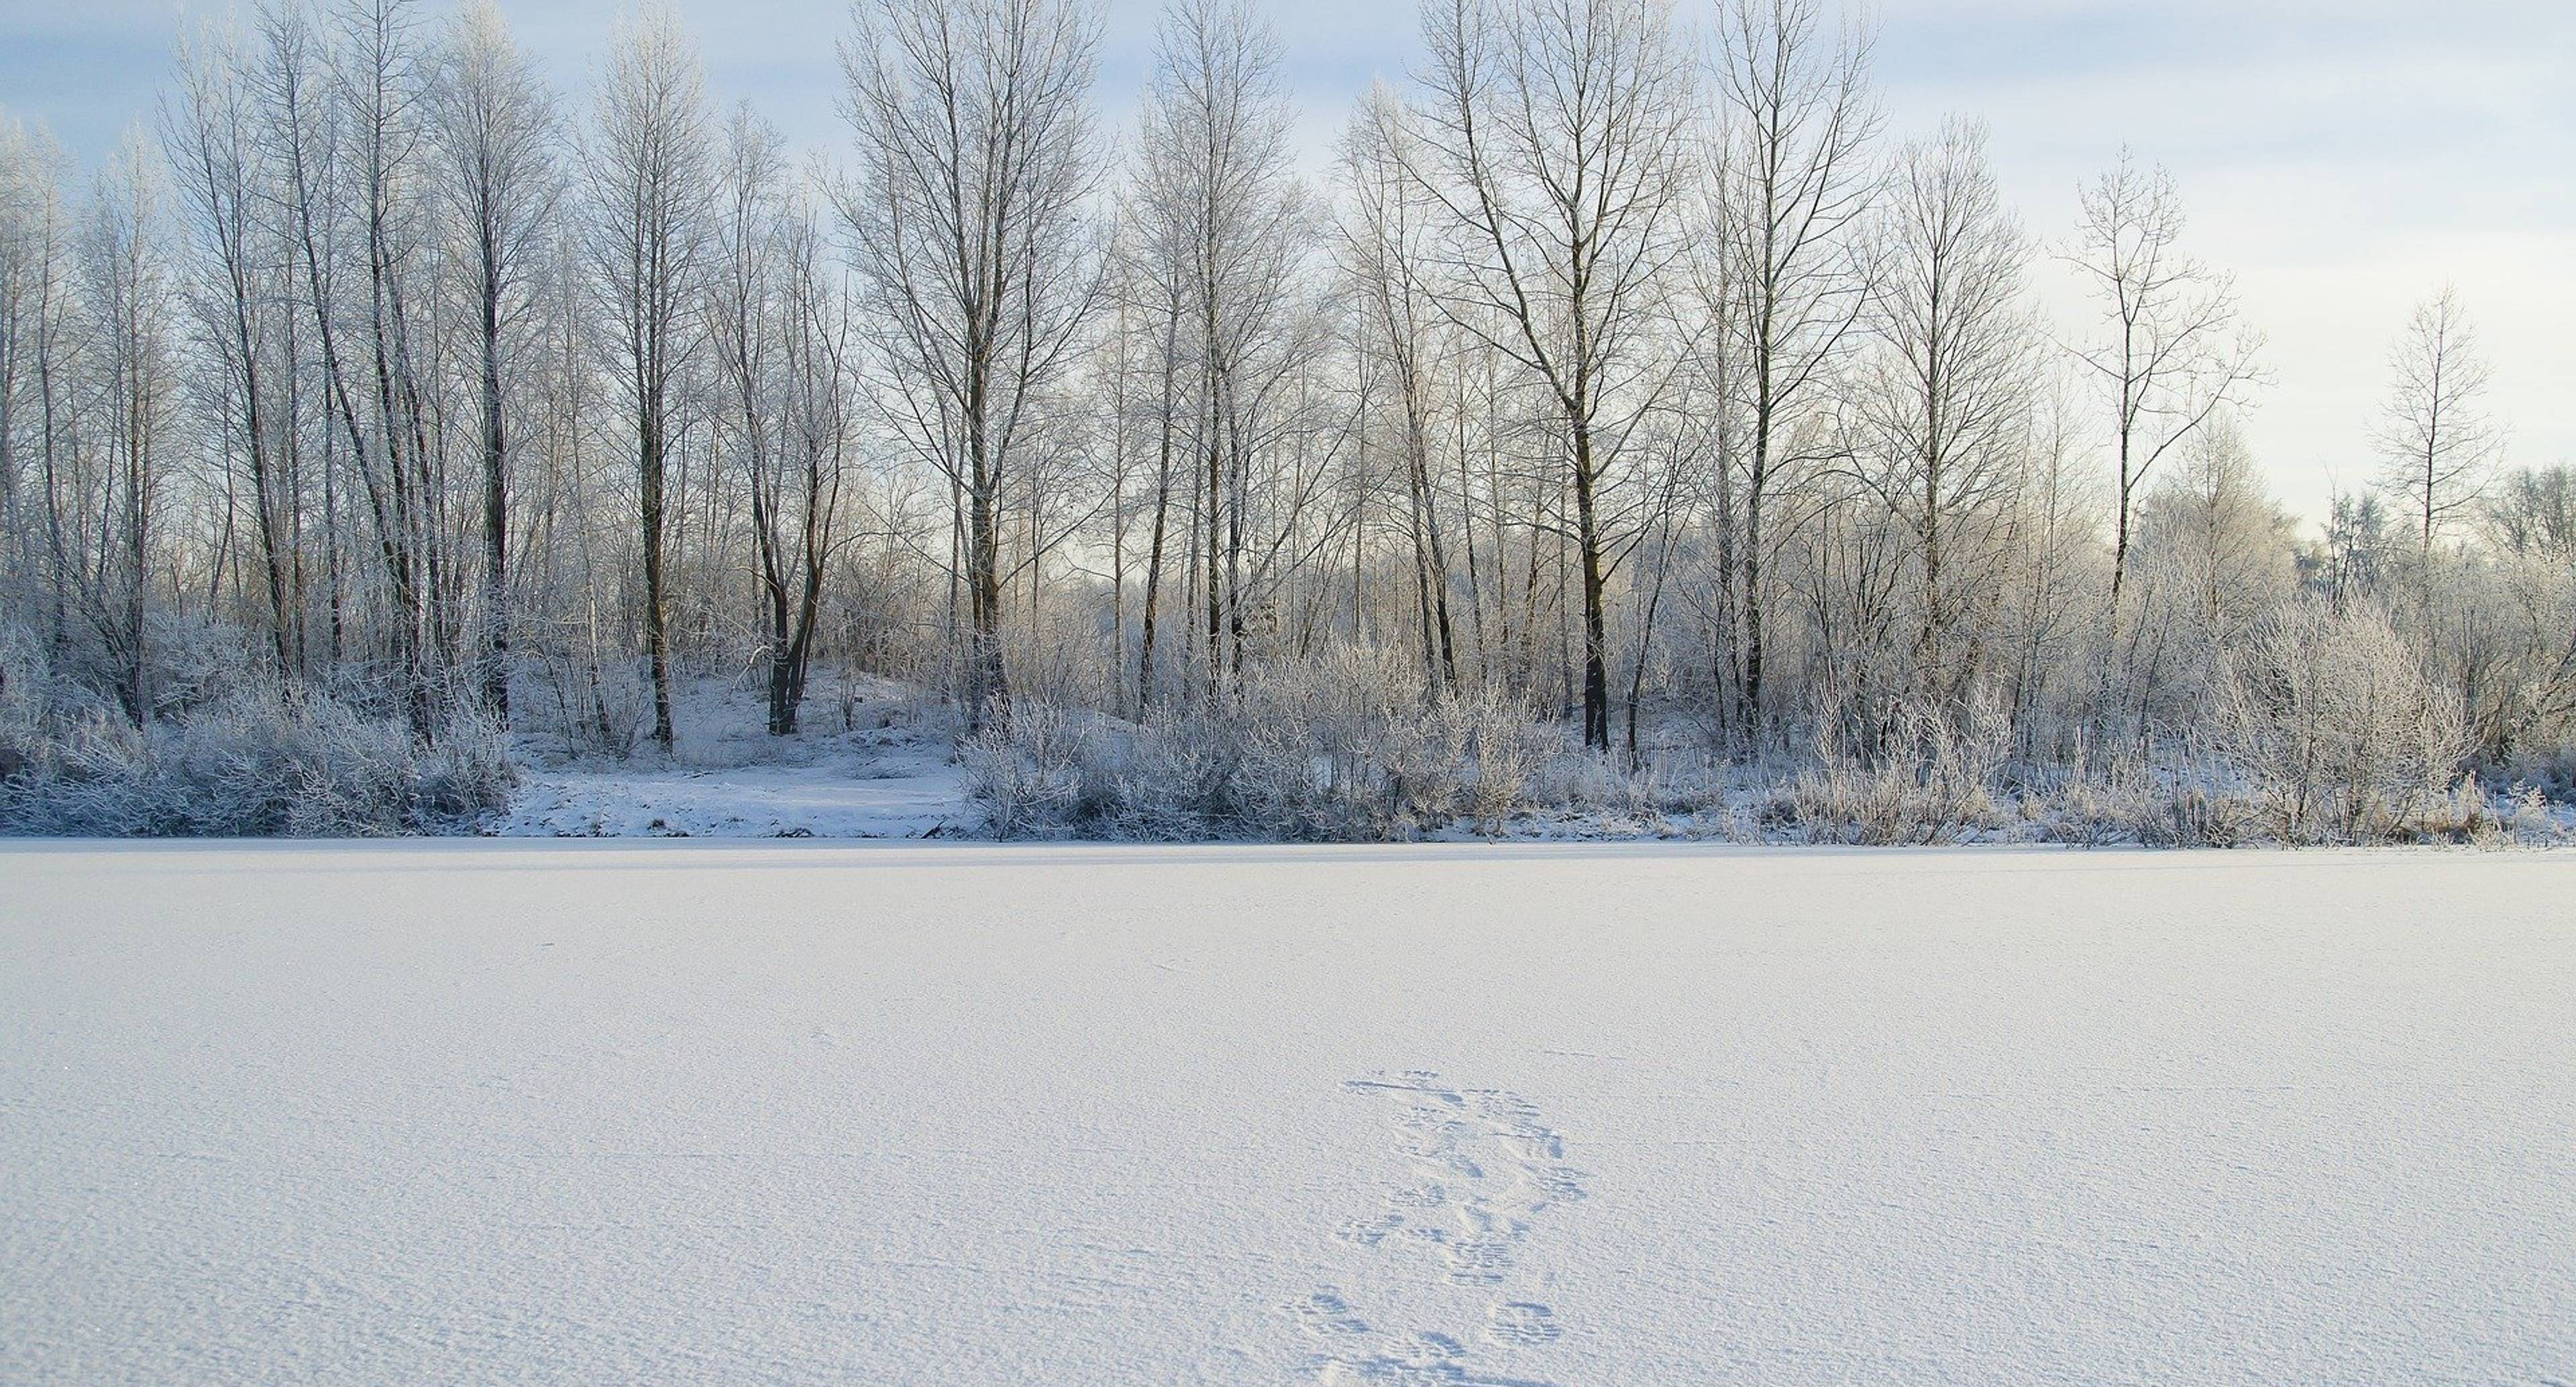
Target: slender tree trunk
pixel 1162 511
pixel 496 505
pixel 1596 673
pixel 650 464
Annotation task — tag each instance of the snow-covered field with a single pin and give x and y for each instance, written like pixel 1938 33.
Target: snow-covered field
pixel 479 1112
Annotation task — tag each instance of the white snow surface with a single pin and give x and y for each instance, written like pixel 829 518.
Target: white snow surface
pixel 909 789
pixel 1593 1116
pixel 860 769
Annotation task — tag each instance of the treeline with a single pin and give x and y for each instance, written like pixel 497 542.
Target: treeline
pixel 1614 376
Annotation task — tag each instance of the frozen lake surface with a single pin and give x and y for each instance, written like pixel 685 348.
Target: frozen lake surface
pixel 1592 1116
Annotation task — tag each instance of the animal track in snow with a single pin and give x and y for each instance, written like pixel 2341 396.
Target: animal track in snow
pixel 1522 1323
pixel 1325 1312
pixel 1369 1232
pixel 1485 1169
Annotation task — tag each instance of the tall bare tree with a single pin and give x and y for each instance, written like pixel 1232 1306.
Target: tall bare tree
pixel 124 259
pixel 1797 123
pixel 647 162
pixel 1945 404
pixel 211 134
pixel 973 243
pixel 496 131
pixel 1553 136
pixel 783 345
pixel 1217 189
pixel 36 338
pixel 25 192
pixel 379 90
pixel 1385 247
pixel 300 139
pixel 2171 353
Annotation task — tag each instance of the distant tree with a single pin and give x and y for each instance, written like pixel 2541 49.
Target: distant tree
pixel 2435 440
pixel 2170 352
pixel 2356 548
pixel 2227 544
pixel 2531 513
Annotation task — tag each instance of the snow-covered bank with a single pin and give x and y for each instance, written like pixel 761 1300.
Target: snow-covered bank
pixel 907 789
pixel 861 767
pixel 457 1112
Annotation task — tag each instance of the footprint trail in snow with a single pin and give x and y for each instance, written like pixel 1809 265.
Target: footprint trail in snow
pixel 1485 1172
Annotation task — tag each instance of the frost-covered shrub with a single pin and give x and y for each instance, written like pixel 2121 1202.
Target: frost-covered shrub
pixel 2134 805
pixel 1928 776
pixel 2529 817
pixel 25 679
pixel 588 703
pixel 1028 773
pixel 1346 747
pixel 2332 729
pixel 2324 730
pixel 1592 782
pixel 257 761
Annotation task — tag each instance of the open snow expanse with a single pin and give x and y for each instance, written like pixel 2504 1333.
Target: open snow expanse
pixel 481 1112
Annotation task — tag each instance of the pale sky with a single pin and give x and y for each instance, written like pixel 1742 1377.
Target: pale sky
pixel 2344 158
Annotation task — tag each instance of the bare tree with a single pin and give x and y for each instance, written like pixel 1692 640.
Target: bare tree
pixel 2171 354
pixel 1216 189
pixel 2226 548
pixel 2533 515
pixel 2435 440
pixel 1385 244
pixel 1797 123
pixel 124 261
pixel 1553 136
pixel 378 88
pixel 1947 398
pixel 1151 288
pixel 25 197
pixel 298 137
pixel 496 130
pixel 973 244
pixel 782 339
pixel 211 136
pixel 796 515
pixel 37 318
pixel 647 166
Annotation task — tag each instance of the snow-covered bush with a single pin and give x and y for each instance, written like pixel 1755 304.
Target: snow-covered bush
pixel 2133 803
pixel 255 761
pixel 1029 774
pixel 590 704
pixel 2331 728
pixel 1593 783
pixel 1929 777
pixel 1349 746
pixel 25 679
